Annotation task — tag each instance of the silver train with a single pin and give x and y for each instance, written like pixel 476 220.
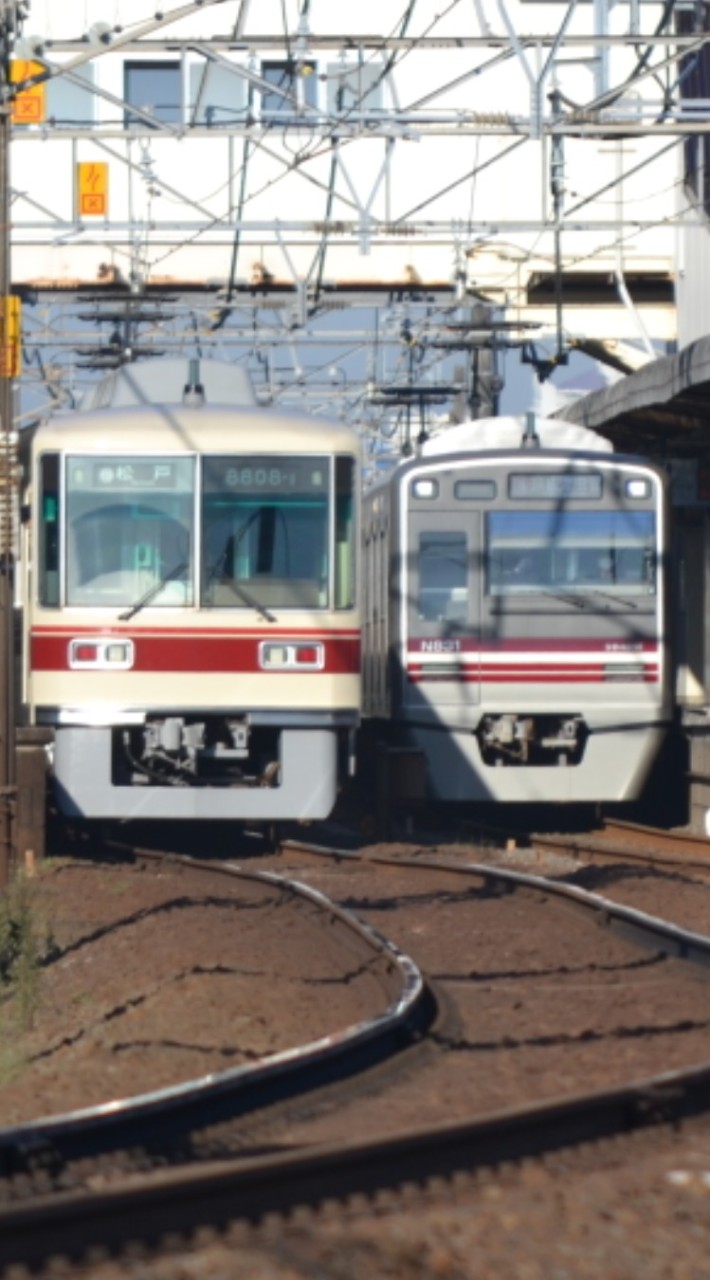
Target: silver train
pixel 189 571
pixel 515 636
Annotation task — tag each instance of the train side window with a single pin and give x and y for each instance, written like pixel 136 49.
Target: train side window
pixel 344 532
pixel 48 541
pixel 443 576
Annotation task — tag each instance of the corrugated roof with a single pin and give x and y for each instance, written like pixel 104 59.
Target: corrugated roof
pixel 663 409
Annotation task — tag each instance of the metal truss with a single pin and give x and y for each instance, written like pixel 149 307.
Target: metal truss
pixel 370 247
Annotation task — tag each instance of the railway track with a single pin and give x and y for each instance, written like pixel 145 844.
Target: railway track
pixel 70 1225
pixel 636 843
pixel 72 1221
pixel 617 838
pixel 395 992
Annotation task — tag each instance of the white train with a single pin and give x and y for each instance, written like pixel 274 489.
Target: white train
pixel 190 600
pixel 515 631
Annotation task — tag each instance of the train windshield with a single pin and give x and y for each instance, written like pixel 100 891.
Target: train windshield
pixel 129 530
pixel 587 552
pixel 273 531
pixel 266 532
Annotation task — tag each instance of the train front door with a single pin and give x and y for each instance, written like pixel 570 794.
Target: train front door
pixel 442 632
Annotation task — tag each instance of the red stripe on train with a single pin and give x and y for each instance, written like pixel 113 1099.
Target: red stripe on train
pixel 197 651
pixel 504 671
pixel 648 676
pixel 72 630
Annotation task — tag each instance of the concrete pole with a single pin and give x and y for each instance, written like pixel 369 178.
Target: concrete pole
pixel 8 21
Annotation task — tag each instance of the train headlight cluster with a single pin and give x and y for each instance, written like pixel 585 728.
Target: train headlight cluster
pixel 425 488
pixel 291 655
pixel 638 488
pixel 101 653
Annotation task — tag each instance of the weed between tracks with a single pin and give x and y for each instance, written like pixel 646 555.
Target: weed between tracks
pixel 25 941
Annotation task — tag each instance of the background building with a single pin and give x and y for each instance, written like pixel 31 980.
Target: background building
pixel 393 215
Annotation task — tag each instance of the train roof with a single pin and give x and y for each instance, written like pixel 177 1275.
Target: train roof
pixel 207 428
pixel 508 432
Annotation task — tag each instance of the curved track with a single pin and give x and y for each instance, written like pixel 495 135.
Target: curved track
pixel 404 1007
pixel 215 1194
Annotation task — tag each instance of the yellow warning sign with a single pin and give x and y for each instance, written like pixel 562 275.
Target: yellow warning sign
pixel 28 106
pixel 10 338
pixel 92 185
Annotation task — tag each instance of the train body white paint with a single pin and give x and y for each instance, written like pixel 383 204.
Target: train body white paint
pixel 515 628
pixel 190 601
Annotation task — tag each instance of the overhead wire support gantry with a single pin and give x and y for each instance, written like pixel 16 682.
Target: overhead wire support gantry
pixel 342 164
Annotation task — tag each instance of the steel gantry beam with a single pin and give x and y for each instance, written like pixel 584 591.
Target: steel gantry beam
pixel 405 164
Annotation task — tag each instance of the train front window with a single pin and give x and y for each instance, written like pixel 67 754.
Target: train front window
pixel 443 576
pixel 129 530
pixel 265 532
pixel 603 553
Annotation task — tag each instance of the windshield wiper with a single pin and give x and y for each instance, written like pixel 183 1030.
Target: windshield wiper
pixel 220 562
pixel 568 597
pixel 583 599
pixel 251 600
pixel 608 595
pixel 153 591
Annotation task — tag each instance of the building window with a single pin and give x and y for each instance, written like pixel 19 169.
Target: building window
pixel 217 95
pixel 355 88
pixel 69 103
pixel 154 87
pixel 294 91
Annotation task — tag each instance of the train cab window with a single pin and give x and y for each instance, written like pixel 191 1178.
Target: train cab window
pixel 129 531
pixel 592 554
pixel 442 565
pixel 48 548
pixel 266 531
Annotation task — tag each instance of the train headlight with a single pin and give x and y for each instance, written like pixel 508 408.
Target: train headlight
pixel 116 653
pixel 425 488
pixel 291 655
pixel 274 655
pixel 638 488
pixel 101 653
